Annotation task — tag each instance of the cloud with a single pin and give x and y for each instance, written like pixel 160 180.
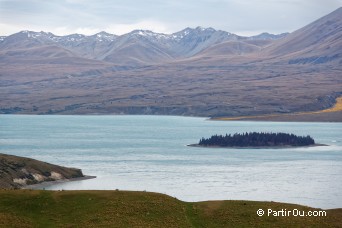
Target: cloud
pixel 67 31
pixel 154 26
pixel 117 29
pixel 122 16
pixel 8 29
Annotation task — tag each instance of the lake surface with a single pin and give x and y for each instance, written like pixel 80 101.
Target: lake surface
pixel 150 153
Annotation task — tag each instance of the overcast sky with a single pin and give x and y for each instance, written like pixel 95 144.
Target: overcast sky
pixel 243 17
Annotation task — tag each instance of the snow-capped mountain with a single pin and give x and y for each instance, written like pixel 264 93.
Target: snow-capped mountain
pixel 136 47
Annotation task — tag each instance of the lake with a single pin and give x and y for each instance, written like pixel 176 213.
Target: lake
pixel 150 153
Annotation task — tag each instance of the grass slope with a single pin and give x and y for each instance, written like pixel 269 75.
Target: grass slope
pixel 32 208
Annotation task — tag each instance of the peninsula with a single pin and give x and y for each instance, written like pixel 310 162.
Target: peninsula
pixel 257 140
pixel 19 172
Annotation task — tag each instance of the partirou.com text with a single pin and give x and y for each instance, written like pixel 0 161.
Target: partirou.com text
pixel 292 212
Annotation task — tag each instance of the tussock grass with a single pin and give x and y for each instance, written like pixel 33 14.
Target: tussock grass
pixel 336 108
pixel 39 208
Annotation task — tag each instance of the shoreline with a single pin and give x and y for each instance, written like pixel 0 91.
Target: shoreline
pixel 257 147
pixel 328 115
pixel 50 183
pixel 332 114
pixel 331 117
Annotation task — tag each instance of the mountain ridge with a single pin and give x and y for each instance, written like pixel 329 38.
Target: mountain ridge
pixel 146 32
pixel 130 48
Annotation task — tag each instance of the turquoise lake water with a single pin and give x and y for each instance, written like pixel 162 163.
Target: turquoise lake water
pixel 150 153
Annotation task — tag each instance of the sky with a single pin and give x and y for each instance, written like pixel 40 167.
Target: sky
pixel 242 17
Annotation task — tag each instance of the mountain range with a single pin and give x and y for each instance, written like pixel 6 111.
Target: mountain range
pixel 200 71
pixel 138 47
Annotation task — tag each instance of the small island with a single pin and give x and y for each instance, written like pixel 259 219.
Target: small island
pixel 257 140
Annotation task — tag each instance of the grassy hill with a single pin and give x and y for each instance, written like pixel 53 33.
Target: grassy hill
pixel 16 172
pixel 33 208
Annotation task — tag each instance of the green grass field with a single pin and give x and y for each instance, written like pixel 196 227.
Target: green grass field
pixel 39 208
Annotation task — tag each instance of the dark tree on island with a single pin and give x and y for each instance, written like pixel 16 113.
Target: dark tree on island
pixel 255 139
